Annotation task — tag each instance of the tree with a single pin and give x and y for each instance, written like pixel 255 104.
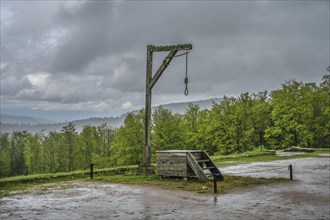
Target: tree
pixel 103 137
pixel 191 123
pixel 34 154
pixel 129 139
pixel 69 138
pixel 4 155
pixel 16 152
pixel 54 152
pixel 323 131
pixel 260 118
pixel 300 115
pixel 167 132
pixel 87 144
pixel 205 137
pixel 243 109
pixel 223 126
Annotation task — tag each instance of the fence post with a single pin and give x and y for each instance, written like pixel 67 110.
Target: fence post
pixel 92 166
pixel 290 168
pixel 215 187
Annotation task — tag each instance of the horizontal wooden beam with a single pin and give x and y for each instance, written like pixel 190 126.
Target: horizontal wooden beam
pixel 153 48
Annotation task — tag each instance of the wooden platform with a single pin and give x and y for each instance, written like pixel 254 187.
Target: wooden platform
pixel 186 163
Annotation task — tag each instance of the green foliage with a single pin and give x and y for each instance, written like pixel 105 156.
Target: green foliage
pixel 34 154
pixel 87 145
pixel 300 116
pixel 128 140
pixel 237 124
pixel 16 153
pixel 102 138
pixel 194 124
pixel 297 114
pixel 53 152
pixel 166 130
pixel 5 160
pixel 69 140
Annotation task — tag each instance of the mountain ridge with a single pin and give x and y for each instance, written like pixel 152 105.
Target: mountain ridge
pixel 48 126
pixel 13 119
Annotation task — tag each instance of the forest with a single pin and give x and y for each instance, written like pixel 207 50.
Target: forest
pixel 296 114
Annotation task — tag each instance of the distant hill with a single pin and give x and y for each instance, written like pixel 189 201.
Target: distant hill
pixel 181 106
pixel 46 128
pixel 11 119
pixel 10 123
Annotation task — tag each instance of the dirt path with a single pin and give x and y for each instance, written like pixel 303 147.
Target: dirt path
pixel 307 197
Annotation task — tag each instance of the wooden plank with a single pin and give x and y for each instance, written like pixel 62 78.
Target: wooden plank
pixel 173 160
pixel 183 169
pixel 179 151
pixel 153 48
pixel 196 168
pixel 209 168
pixel 172 174
pixel 171 164
pixel 164 159
pixel 203 161
pixel 197 155
pixel 171 153
pixel 213 168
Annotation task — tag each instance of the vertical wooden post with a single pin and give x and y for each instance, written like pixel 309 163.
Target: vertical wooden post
pixel 147 150
pixel 291 174
pixel 92 172
pixel 215 186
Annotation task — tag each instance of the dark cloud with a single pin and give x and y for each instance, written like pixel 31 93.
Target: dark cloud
pixel 88 29
pixel 86 55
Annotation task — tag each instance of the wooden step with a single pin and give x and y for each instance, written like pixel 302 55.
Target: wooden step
pixel 203 161
pixel 208 168
pixel 192 162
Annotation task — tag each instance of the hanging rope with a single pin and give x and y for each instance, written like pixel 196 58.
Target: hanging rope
pixel 186 92
pixel 186 78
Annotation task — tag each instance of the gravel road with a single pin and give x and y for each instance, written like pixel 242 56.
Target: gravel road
pixel 306 197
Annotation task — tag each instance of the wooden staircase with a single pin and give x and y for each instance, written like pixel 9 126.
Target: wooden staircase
pixel 203 166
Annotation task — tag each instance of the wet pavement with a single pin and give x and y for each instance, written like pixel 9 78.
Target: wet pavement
pixel 306 197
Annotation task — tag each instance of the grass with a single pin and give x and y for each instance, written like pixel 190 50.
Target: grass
pixel 193 185
pixel 9 184
pixel 224 161
pixel 65 175
pixel 256 152
pixel 20 187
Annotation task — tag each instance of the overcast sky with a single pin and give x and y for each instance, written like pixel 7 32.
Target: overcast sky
pixel 66 60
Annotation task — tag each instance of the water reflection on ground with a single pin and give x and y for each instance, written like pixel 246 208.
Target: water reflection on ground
pixel 306 197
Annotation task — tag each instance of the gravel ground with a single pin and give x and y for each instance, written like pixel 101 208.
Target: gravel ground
pixel 306 197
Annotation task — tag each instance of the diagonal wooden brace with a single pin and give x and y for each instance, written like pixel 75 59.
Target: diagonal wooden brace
pixel 162 68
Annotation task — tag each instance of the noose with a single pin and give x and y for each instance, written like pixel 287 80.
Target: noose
pixel 186 78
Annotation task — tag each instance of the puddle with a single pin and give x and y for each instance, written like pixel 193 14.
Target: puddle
pixel 287 154
pixel 307 197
